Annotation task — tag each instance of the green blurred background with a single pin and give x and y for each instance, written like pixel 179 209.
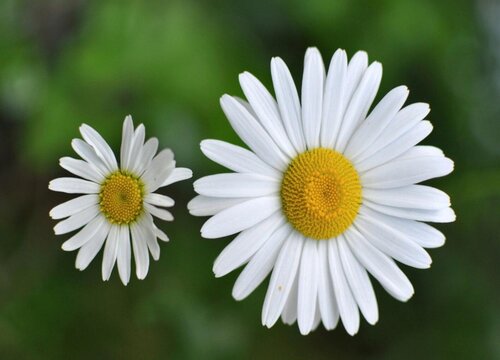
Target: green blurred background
pixel 167 63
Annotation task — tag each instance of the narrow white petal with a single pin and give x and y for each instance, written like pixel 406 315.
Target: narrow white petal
pixel 421 151
pixel 76 221
pixel 308 286
pixel 140 247
pixel 245 245
pixel 443 215
pixel 82 169
pixel 158 212
pixel 236 185
pixel 127 136
pixel 253 134
pixel 282 279
pixel 159 200
pixel 240 217
pixel 379 265
pixel 288 103
pixel 88 154
pixel 206 206
pixel 160 169
pixel 404 120
pixel 355 71
pixel 383 113
pixel 289 313
pixel 360 104
pixel 411 196
pixel 146 156
pixel 110 252
pixel 348 309
pixel 160 234
pixel 148 229
pixel 135 156
pixel 236 158
pixel 90 249
pixel 74 186
pixel 334 99
pixel 317 319
pixel 74 206
pixel 397 147
pixel 326 297
pixel 261 264
pixel 359 282
pixel 100 146
pixel 408 171
pixel 124 255
pixel 86 234
pixel 312 96
pixel 178 174
pixel 266 111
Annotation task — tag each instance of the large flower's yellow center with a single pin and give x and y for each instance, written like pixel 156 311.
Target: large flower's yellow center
pixel 321 193
pixel 121 198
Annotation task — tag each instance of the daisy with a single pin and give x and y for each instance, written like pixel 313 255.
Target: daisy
pixel 119 201
pixel 326 194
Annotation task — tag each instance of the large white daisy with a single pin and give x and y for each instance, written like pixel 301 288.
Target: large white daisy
pixel 326 194
pixel 119 201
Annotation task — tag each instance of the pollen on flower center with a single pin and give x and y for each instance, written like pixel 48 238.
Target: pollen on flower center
pixel 121 198
pixel 321 193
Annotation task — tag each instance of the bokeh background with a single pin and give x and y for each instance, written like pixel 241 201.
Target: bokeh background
pixel 167 63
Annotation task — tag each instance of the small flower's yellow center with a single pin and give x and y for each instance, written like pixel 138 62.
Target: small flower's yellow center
pixel 321 193
pixel 121 198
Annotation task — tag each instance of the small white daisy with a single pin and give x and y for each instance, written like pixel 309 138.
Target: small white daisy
pixel 326 195
pixel 119 200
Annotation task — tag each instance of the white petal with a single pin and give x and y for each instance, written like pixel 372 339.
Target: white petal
pixel 348 309
pixel 245 245
pixel 266 111
pixel 159 200
pixel 240 217
pixel 377 121
pixel 443 215
pixel 403 172
pixel 88 154
pixel 110 252
pixel 379 265
pixel 334 102
pixel 404 120
pixel 82 169
pixel 76 221
pixel 397 147
pixel 282 279
pixel 148 228
pixel 161 167
pixel 74 206
pixel 412 196
pixel 74 186
pixel 84 235
pixel 127 136
pixel 421 151
pixel 90 249
pixel 136 149
pixel 360 104
pixel 206 206
pixel 236 158
pixel 253 134
pixel 308 286
pixel 326 298
pixel 392 242
pixel 236 185
pixel 160 234
pixel 261 264
pixel 289 313
pixel 359 282
pixel 288 103
pixel 124 254
pixel 312 96
pixel 159 213
pixel 146 156
pixel 355 71
pixel 178 174
pixel 100 146
pixel 140 247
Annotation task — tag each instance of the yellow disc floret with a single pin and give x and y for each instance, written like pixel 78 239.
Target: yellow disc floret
pixel 321 193
pixel 121 198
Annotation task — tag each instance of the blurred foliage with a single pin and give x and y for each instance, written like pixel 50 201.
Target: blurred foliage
pixel 64 63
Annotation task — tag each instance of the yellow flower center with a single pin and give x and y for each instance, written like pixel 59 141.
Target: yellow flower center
pixel 321 193
pixel 121 198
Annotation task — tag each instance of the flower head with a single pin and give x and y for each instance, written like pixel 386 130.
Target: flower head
pixel 326 194
pixel 119 201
